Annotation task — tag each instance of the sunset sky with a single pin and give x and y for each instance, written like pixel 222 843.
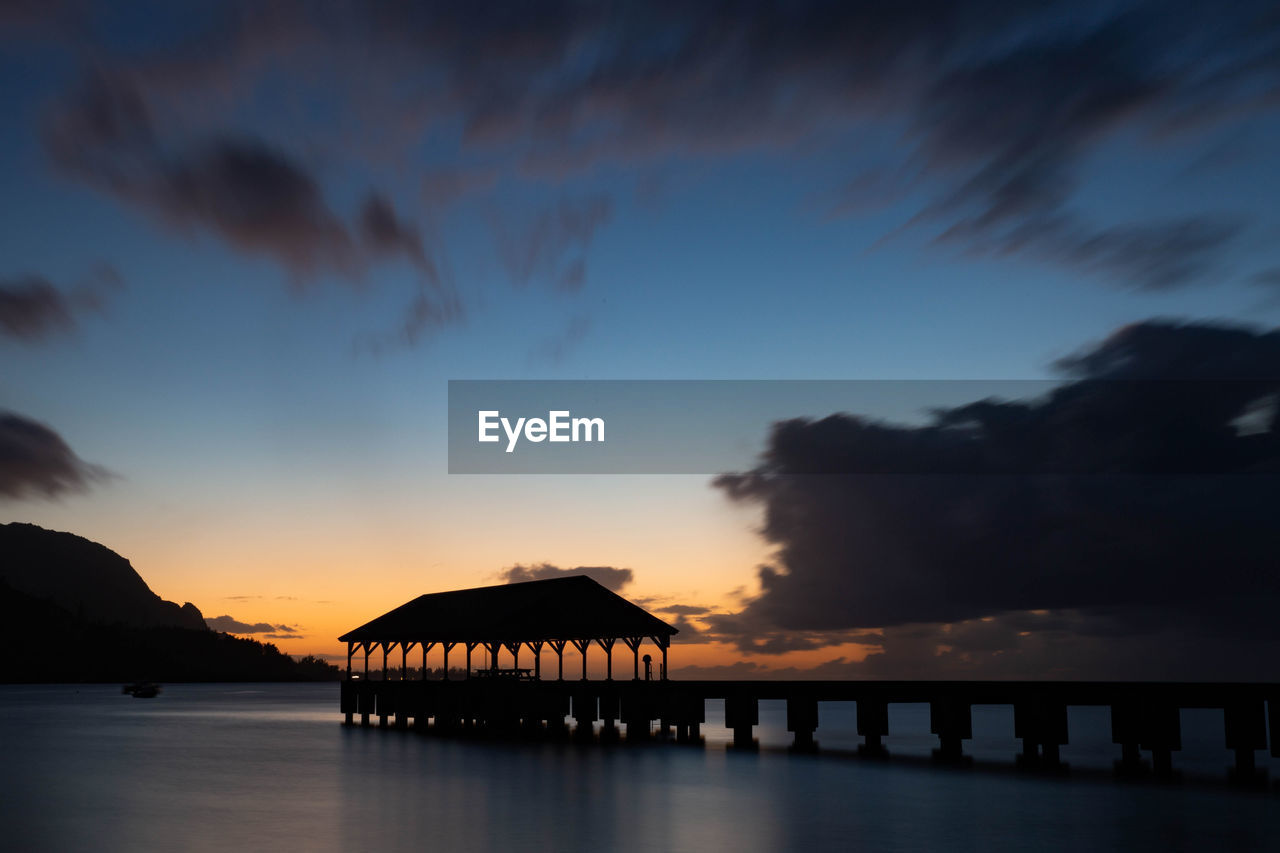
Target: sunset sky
pixel 245 246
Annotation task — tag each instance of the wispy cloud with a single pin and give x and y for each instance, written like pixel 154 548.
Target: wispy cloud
pixel 34 309
pixel 231 625
pixel 608 576
pixel 35 461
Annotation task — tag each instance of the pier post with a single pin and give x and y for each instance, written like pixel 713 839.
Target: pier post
pixel 741 713
pixel 1245 725
pixel 609 716
pixel 382 701
pixel 802 720
pixel 1126 730
pixel 637 712
pixel 347 698
pixel 1273 723
pixel 688 711
pixel 1041 722
pixel 582 646
pixel 952 721
pixel 535 646
pixel 559 645
pixel 555 708
pixel 584 714
pixel 873 724
pixel 633 643
pixel 607 645
pixel 1162 734
pixel 444 676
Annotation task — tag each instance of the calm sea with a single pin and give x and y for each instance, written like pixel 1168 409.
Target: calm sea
pixel 258 767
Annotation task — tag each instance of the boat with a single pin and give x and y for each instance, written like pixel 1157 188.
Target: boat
pixel 142 690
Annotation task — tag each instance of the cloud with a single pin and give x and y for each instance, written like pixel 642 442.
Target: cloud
pixel 607 576
pixel 573 90
pixel 33 309
pixel 231 625
pixel 1128 494
pixel 551 245
pixel 682 609
pixel 383 231
pixel 36 462
pixel 249 193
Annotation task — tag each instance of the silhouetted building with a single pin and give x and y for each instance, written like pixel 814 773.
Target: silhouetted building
pixel 557 612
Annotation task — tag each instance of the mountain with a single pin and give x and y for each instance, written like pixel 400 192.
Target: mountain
pixel 72 610
pixel 86 579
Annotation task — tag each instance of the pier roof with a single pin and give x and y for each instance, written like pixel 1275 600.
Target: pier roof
pixel 568 608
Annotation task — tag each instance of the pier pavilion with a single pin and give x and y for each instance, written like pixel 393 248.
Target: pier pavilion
pixel 554 613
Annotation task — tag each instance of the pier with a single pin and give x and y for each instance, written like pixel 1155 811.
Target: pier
pixel 1144 716
pixel 641 704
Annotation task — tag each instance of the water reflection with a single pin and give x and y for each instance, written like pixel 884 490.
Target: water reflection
pixel 212 767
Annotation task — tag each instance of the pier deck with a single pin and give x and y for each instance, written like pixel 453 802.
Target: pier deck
pixel 1144 716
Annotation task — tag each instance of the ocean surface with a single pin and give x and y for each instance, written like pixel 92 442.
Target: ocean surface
pixel 268 767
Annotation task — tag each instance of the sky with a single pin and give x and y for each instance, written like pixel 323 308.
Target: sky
pixel 245 247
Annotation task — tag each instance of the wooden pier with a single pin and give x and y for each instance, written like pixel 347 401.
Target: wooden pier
pixel 1145 717
pixel 578 614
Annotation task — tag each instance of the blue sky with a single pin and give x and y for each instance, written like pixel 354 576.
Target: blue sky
pixel 808 191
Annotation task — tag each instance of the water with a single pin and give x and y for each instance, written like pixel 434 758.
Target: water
pixel 255 767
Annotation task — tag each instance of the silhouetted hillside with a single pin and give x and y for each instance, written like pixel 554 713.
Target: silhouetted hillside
pixel 45 643
pixel 72 610
pixel 86 579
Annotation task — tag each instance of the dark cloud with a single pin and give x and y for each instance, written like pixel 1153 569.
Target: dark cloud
pixel 1148 256
pixel 249 193
pixel 994 106
pixel 1129 494
pixel 690 633
pixel 383 231
pixel 33 309
pixel 607 576
pixel 682 609
pixel 231 625
pixel 285 636
pixel 36 462
pixel 254 197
